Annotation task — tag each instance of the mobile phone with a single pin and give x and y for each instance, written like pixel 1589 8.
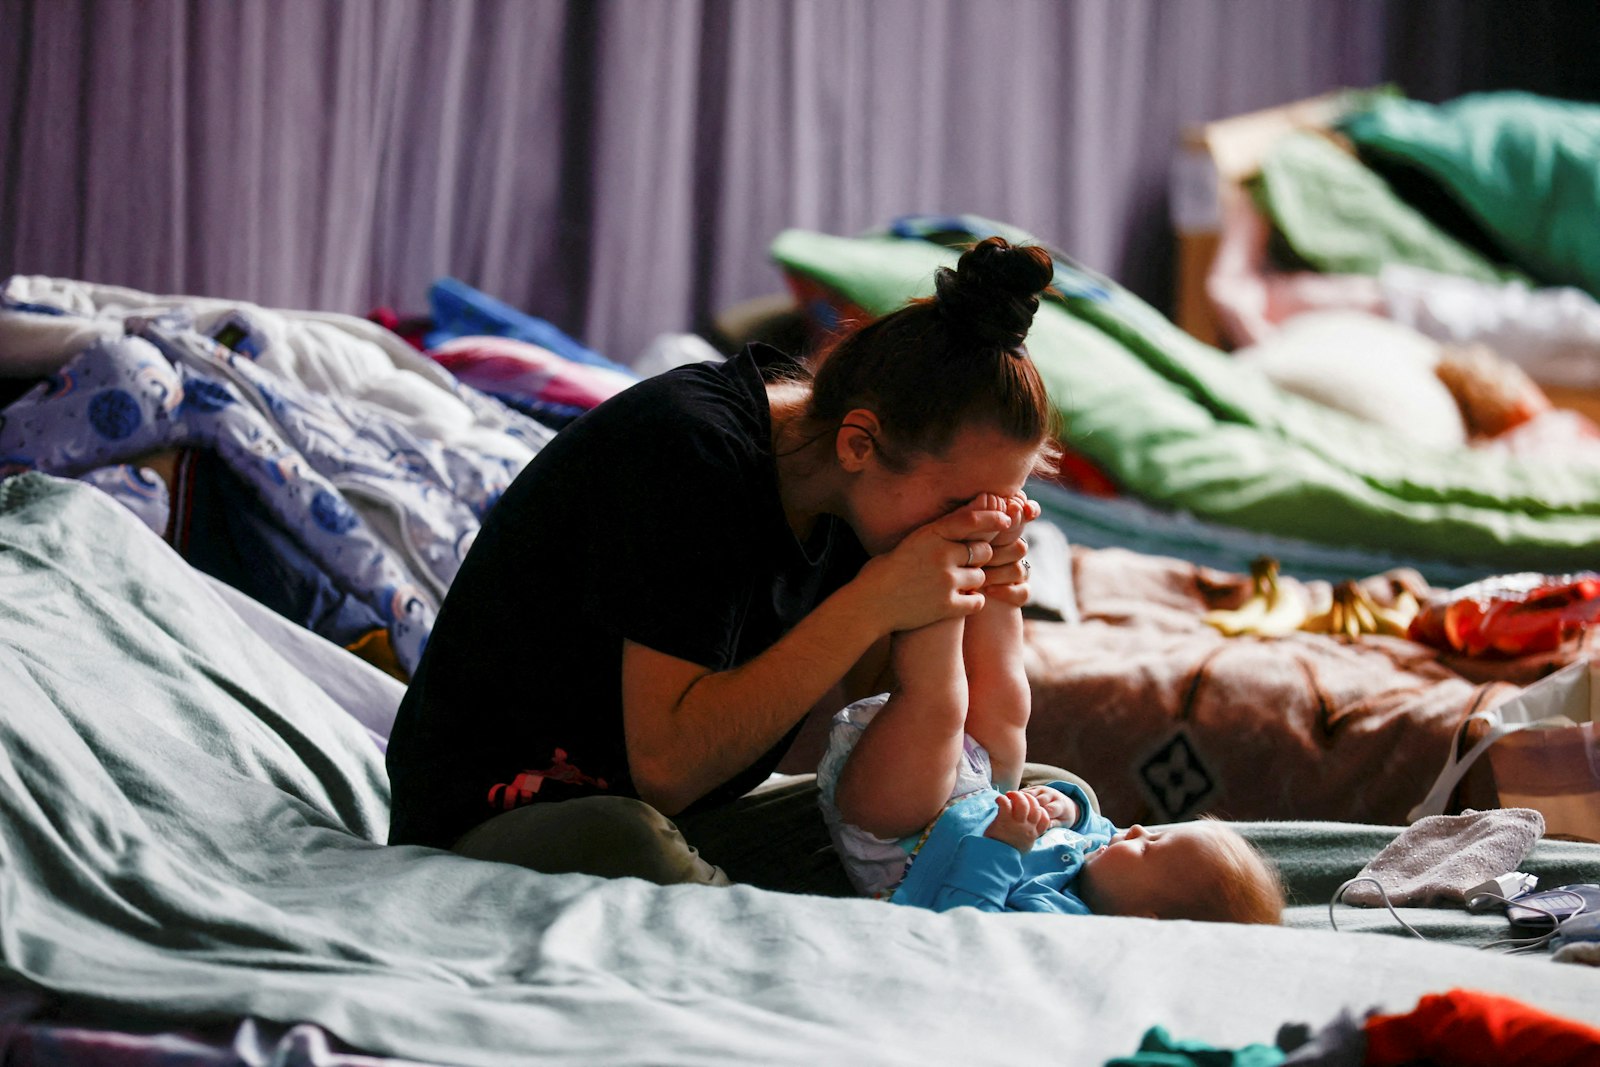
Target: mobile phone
pixel 1548 907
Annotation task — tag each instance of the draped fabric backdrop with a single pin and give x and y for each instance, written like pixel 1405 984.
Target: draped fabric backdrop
pixel 620 166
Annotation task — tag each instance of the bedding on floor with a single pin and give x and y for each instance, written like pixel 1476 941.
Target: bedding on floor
pixel 190 833
pixel 1170 719
pixel 357 469
pixel 1472 221
pixel 1180 426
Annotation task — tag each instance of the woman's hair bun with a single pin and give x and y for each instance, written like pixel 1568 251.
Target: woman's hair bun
pixel 993 292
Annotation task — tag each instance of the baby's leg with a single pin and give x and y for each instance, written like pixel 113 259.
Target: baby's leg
pixel 902 770
pixel 999 700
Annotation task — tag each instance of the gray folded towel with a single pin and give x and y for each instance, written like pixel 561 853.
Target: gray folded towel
pixel 1579 952
pixel 1050 591
pixel 1441 857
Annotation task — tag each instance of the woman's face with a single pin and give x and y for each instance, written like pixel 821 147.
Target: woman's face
pixel 884 505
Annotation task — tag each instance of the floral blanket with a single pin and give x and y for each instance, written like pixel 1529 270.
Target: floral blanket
pixel 385 513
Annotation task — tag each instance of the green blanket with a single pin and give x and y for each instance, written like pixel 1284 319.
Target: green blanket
pixel 1179 424
pixel 1338 217
pixel 188 834
pixel 1525 168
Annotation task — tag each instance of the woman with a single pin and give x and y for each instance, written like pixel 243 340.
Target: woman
pixel 667 589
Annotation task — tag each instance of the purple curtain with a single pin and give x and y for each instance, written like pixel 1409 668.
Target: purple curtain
pixel 620 166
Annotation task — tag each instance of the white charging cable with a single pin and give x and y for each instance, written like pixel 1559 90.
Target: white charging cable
pixel 1382 892
pixel 1483 896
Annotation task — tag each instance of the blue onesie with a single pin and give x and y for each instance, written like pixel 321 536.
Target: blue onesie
pixel 957 866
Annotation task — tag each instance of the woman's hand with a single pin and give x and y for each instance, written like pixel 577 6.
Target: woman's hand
pixel 936 572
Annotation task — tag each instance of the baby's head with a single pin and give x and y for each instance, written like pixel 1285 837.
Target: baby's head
pixel 1201 870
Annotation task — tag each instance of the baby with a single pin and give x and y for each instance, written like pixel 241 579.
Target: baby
pixel 1044 848
pixel 923 791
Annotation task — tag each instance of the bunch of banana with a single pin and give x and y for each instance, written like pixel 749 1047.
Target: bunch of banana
pixel 1272 610
pixel 1354 612
pixel 1395 620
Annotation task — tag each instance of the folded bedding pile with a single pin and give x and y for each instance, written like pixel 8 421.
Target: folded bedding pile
pixel 519 359
pixel 190 836
pixel 1180 426
pixel 312 460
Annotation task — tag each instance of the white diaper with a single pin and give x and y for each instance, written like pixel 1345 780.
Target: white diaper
pixel 876 864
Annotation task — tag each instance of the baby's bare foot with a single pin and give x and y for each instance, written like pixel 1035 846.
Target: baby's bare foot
pixel 1019 509
pixel 992 502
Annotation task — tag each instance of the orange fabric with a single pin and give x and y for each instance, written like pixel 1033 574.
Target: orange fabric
pixel 1464 1028
pixel 1077 471
pixel 375 647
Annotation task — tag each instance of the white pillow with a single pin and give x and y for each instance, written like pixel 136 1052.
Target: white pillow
pixel 1369 367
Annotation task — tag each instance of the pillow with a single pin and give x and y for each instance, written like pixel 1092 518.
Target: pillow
pixel 1526 168
pixel 1369 367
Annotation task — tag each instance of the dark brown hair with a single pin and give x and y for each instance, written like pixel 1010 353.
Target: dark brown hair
pixel 946 361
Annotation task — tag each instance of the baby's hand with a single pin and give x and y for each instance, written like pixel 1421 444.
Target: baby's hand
pixel 1062 809
pixel 1020 821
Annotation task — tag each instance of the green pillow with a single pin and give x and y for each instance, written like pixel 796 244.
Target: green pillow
pixel 1339 217
pixel 1526 168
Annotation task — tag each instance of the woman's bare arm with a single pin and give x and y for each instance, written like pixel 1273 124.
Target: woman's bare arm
pixel 688 729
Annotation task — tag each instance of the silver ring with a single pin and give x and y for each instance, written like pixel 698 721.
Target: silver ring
pixel 1026 566
pixel 969 553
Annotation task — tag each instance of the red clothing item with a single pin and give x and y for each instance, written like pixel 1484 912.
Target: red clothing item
pixel 1463 1028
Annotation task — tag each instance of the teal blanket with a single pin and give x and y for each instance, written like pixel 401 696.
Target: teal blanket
pixel 189 834
pixel 1525 168
pixel 1180 425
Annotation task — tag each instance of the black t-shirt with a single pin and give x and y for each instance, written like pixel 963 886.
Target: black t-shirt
pixel 655 518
